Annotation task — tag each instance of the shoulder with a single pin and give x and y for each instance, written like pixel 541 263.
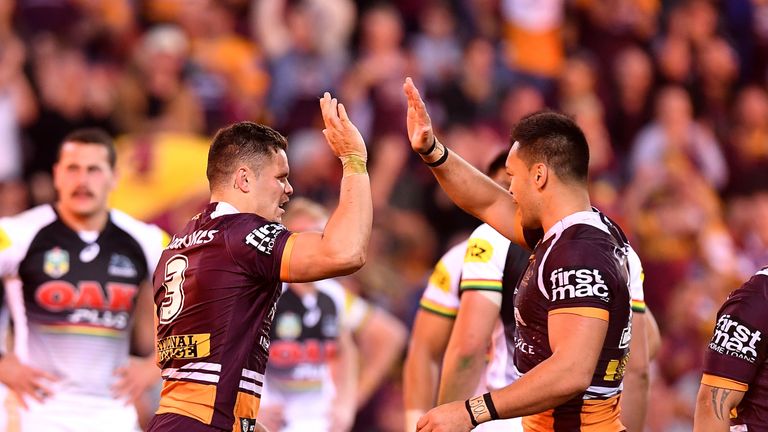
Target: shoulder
pixel 489 234
pixel 150 238
pixel 753 294
pixel 484 244
pixel 333 289
pixel 23 227
pixel 140 231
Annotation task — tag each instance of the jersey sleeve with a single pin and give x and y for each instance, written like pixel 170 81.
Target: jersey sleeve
pixel 259 246
pixel 484 260
pixel 636 278
pixel 442 293
pixel 356 311
pixel 16 235
pixel 579 281
pixel 739 346
pixel 9 259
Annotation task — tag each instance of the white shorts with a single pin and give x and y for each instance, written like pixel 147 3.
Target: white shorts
pixel 78 413
pixel 506 425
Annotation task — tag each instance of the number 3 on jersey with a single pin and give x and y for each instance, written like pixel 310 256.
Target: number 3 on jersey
pixel 174 288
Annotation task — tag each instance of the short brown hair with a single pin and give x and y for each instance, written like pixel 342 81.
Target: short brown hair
pixel 93 136
pixel 247 142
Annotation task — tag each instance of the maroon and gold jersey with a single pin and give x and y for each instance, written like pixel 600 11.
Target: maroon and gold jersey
pixel 737 356
pixel 580 267
pixel 216 286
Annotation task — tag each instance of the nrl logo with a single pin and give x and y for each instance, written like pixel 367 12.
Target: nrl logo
pixel 56 263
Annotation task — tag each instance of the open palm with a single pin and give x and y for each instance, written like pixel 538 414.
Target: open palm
pixel 418 121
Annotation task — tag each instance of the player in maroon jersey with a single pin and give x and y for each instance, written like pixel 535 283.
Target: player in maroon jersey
pixel 217 282
pixel 572 305
pixel 734 388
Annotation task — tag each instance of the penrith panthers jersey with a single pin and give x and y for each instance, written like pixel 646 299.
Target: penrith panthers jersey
pixel 216 286
pixel 71 295
pixel 737 356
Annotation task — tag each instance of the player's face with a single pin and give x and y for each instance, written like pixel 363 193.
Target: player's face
pixel 272 187
pixel 83 179
pixel 523 189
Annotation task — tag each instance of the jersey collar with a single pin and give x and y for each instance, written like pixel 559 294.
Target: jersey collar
pixel 588 217
pixel 222 209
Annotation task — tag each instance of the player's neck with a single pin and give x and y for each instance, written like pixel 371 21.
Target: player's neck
pixel 94 222
pixel 567 201
pixel 229 199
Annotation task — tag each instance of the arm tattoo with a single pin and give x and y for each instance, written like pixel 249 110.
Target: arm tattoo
pixel 717 406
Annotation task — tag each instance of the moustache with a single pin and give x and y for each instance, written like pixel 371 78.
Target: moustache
pixel 82 192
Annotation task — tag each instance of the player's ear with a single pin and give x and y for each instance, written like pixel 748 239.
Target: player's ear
pixel 242 179
pixel 540 174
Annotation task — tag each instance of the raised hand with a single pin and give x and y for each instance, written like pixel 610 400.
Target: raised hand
pixel 419 124
pixel 342 135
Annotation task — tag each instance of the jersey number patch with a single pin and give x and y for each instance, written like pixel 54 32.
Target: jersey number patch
pixel 174 288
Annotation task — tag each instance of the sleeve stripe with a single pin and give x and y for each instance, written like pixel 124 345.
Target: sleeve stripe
pixel 589 312
pixel 481 284
pixel 716 381
pixel 638 306
pixel 439 309
pixel 285 260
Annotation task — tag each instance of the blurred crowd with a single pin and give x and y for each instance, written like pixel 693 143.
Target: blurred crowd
pixel 672 95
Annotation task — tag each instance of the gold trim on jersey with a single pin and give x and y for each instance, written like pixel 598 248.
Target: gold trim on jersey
pixel 285 260
pixel 189 399
pixel 589 312
pixel 716 381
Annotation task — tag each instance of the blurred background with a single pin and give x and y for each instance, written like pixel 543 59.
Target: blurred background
pixel 671 94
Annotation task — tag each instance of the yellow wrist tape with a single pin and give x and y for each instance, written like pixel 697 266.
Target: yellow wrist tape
pixel 353 164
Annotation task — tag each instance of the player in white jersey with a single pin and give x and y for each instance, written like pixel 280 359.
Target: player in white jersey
pixel 437 318
pixel 312 380
pixel 312 371
pixel 490 269
pixel 75 274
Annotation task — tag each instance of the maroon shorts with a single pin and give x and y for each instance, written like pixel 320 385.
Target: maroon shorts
pixel 178 423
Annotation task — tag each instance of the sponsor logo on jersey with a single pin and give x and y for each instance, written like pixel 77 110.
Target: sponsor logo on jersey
pixel 578 283
pixel 183 347
pixel 441 278
pixel 247 424
pixel 5 241
pixel 478 250
pixel 89 252
pixel 57 296
pixel 523 347
pixel 288 326
pixel 263 238
pixel 121 266
pixel 56 262
pixel 288 353
pixel 195 238
pixel 734 338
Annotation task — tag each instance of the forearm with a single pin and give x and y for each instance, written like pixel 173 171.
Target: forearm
pixel 634 401
pixel 551 383
pixel 348 230
pixel 420 375
pixel 634 397
pixel 371 375
pixel 462 371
